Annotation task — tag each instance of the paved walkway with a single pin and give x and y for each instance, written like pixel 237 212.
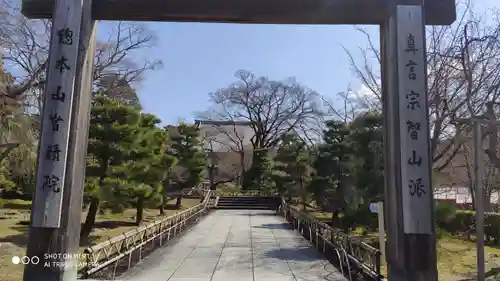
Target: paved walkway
pixel 237 245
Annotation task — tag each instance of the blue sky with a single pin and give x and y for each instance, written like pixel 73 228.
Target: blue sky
pixel 200 58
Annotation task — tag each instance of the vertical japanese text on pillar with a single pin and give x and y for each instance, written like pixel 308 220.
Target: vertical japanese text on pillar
pixel 55 125
pixel 413 120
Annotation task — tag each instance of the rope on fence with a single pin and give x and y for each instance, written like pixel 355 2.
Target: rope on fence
pixel 112 251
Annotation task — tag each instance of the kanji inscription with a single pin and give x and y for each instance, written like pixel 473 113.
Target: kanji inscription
pixel 55 118
pixel 59 95
pixel 57 109
pixel 414 128
pixel 413 100
pixel 53 153
pixel 51 183
pixel 62 64
pixel 65 36
pixel 416 187
pixel 415 159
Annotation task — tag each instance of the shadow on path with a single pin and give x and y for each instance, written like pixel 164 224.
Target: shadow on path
pixel 274 226
pixel 293 254
pixel 260 214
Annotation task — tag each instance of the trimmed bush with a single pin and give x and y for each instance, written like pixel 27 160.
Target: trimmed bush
pixel 445 213
pixel 448 220
pixel 464 222
pixel 492 227
pixel 356 218
pixel 15 204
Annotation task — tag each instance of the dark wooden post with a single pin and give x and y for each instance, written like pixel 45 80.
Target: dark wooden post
pixel 411 244
pixel 63 239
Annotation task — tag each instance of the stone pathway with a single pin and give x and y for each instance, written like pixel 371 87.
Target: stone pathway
pixel 237 245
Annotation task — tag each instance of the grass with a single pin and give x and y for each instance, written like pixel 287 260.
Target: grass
pixel 15 216
pixel 456 255
pixel 457 259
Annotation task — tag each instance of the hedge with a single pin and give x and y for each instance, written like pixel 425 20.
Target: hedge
pixel 447 217
pixel 464 222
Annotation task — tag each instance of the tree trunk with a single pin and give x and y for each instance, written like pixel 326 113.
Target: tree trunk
pixel 162 204
pixel 211 176
pixel 90 219
pixel 242 168
pixel 472 195
pixel 334 217
pixel 213 186
pixel 487 202
pixel 178 203
pixel 304 195
pixel 140 209
pixel 94 205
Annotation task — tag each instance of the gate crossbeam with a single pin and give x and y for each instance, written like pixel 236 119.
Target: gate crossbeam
pixel 438 12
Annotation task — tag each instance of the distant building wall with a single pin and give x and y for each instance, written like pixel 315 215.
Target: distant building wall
pixel 461 195
pixel 222 136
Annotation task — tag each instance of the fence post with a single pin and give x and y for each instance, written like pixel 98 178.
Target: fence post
pixel 378 263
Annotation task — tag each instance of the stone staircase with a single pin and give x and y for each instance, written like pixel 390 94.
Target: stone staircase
pixel 246 203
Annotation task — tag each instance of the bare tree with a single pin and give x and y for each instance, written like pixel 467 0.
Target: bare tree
pixel 27 46
pixel 25 49
pixel 272 108
pixel 491 176
pixel 350 106
pixel 115 56
pixel 221 169
pixel 492 132
pixel 463 75
pixel 230 136
pixel 15 127
pixel 489 143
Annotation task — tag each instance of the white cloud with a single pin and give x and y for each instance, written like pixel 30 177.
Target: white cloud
pixel 363 91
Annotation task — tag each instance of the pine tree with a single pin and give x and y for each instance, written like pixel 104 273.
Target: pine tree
pixel 333 169
pixel 112 136
pixel 259 176
pixel 294 161
pixel 367 149
pixel 146 165
pixel 186 147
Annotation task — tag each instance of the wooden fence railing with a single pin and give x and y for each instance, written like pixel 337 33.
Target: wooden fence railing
pixel 113 251
pixel 244 193
pixel 186 192
pixel 353 256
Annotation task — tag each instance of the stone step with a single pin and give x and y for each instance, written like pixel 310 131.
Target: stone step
pixel 247 201
pixel 244 207
pixel 243 204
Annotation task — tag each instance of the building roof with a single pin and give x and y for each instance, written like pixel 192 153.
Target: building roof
pixel 222 122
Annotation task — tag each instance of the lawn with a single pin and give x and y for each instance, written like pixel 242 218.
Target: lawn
pixel 457 260
pixel 456 255
pixel 14 219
